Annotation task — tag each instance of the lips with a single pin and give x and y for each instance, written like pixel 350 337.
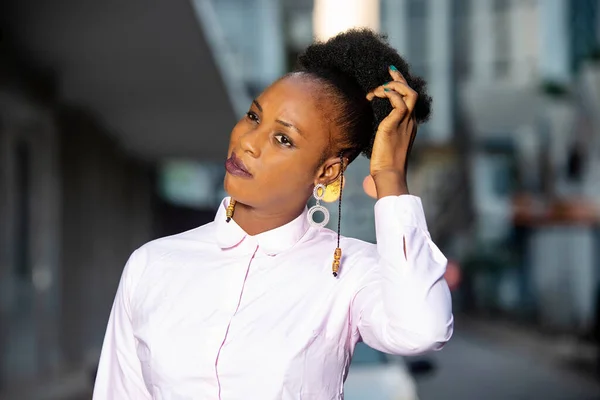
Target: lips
pixel 236 167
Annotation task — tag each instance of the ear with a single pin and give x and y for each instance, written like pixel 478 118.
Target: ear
pixel 330 170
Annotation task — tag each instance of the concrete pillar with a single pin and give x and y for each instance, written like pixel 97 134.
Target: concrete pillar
pixel 334 16
pixel 395 24
pixel 524 41
pixel 29 345
pixel 271 43
pixel 440 66
pixel 45 245
pixel 483 44
pixel 6 248
pixel 554 47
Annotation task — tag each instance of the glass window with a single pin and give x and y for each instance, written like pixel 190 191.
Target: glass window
pixel 502 47
pixel 418 49
pixel 463 32
pixel 583 30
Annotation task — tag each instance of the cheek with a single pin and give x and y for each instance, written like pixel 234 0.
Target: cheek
pixel 235 134
pixel 293 172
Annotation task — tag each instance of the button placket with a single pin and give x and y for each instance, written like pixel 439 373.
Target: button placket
pixel 240 296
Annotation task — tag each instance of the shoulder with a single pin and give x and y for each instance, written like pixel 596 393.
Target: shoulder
pixel 158 250
pixel 204 234
pixel 358 256
pixel 355 246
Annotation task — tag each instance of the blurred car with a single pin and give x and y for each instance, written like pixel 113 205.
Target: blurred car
pixel 377 376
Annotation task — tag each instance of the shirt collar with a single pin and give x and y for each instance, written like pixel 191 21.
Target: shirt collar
pixel 230 234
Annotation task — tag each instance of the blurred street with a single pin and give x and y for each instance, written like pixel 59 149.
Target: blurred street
pixel 475 365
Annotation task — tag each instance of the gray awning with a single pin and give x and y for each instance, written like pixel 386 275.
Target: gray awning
pixel 143 67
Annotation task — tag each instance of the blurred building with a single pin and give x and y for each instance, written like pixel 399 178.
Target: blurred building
pixel 93 99
pixel 528 87
pixel 508 165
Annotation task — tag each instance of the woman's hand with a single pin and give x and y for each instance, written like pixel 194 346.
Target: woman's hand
pixel 394 138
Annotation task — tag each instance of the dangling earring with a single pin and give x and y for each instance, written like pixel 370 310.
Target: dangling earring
pixel 230 209
pixel 332 191
pixel 337 254
pixel 318 194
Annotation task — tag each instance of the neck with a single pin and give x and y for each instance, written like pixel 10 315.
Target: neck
pixel 255 221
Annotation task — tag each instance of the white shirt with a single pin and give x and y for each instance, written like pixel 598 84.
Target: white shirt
pixel 214 313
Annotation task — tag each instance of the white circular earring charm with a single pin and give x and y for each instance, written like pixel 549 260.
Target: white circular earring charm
pixel 311 212
pixel 318 194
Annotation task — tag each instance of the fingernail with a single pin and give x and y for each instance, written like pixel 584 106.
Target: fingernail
pixel 385 84
pixel 393 68
pixel 386 89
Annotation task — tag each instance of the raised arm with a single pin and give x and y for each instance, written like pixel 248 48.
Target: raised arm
pixel 403 305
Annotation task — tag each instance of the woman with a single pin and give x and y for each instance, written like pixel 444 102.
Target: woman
pixel 246 307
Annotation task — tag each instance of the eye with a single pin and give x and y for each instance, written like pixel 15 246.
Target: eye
pixel 284 140
pixel 251 115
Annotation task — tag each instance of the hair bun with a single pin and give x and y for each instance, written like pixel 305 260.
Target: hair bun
pixel 365 57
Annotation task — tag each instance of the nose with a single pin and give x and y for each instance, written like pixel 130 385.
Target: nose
pixel 250 143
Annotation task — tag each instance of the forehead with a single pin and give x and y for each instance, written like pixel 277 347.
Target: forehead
pixel 299 100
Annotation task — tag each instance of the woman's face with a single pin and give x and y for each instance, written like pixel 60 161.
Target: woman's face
pixel 276 150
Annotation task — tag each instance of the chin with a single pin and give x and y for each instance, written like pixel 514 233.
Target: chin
pixel 238 189
pixel 227 185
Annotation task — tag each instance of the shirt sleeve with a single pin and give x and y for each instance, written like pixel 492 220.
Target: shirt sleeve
pixel 119 373
pixel 403 304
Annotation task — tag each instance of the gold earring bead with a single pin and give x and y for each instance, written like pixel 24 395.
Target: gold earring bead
pixel 332 191
pixel 230 209
pixel 337 256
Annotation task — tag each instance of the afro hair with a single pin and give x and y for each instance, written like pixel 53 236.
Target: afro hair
pixel 356 62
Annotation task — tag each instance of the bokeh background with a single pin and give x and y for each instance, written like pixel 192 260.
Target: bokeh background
pixel 114 123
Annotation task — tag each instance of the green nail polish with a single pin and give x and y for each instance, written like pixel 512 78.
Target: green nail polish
pixel 393 68
pixel 386 90
pixel 385 84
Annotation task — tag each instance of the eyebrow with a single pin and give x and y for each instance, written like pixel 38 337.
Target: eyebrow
pixel 286 124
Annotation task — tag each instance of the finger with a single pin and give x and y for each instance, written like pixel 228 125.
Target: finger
pixel 389 85
pixel 408 94
pixel 397 75
pixel 395 98
pixel 392 121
